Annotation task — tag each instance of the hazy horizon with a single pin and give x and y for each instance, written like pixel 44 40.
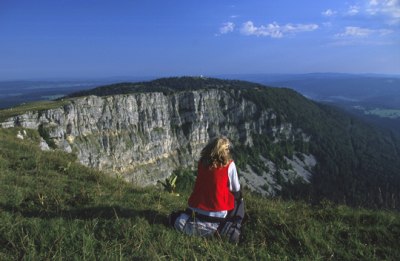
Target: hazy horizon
pixel 228 76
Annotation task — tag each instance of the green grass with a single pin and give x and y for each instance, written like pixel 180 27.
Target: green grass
pixel 380 112
pixel 52 208
pixel 32 106
pixel 384 113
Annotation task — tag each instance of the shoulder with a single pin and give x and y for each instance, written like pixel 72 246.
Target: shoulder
pixel 232 166
pixel 231 163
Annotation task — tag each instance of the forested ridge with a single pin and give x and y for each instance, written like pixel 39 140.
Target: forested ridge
pixel 358 164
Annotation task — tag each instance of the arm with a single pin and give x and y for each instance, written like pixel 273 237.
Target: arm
pixel 234 185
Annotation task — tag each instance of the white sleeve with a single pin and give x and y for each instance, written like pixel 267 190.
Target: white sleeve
pixel 234 184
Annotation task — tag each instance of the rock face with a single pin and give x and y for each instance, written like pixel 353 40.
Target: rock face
pixel 145 136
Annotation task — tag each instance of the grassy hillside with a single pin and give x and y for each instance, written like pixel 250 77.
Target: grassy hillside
pixel 52 208
pixel 32 106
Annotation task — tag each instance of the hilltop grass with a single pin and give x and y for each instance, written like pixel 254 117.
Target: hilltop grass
pixel 52 208
pixel 32 106
pixel 380 112
pixel 384 113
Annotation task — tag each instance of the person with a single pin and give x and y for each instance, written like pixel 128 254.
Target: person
pixel 215 205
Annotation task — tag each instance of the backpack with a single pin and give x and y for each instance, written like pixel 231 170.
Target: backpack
pixel 230 230
pixel 200 225
pixel 195 226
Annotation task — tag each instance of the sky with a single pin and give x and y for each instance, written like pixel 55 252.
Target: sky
pixel 105 38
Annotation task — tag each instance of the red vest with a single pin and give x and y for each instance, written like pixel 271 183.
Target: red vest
pixel 211 190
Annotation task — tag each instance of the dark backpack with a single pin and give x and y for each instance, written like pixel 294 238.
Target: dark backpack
pixel 230 230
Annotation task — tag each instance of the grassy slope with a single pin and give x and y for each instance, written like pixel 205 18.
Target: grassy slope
pixel 32 106
pixel 52 208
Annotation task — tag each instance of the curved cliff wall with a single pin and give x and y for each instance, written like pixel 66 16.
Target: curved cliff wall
pixel 145 136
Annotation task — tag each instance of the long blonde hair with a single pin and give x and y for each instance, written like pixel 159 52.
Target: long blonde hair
pixel 216 153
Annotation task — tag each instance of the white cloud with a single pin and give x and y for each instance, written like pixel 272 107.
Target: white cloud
pixel 274 30
pixel 328 13
pixel 354 31
pixel 227 28
pixel 353 10
pixel 389 8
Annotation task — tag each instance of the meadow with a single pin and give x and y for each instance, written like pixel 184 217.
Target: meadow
pixel 52 208
pixel 384 113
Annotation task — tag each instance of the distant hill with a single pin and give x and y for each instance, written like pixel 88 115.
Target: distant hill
pixel 166 85
pixel 380 91
pixel 13 93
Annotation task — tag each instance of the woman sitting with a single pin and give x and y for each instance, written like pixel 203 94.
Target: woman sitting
pixel 215 205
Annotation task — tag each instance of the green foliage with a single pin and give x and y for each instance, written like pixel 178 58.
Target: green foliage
pixel 166 85
pixel 33 106
pixel 44 133
pixel 357 164
pixel 52 208
pixel 185 180
pixel 296 189
pixel 169 184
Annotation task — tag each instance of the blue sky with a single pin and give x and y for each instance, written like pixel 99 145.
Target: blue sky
pixel 104 38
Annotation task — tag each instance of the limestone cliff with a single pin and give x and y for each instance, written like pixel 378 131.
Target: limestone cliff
pixel 143 137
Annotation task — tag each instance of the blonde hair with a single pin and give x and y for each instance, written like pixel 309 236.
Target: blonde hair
pixel 216 153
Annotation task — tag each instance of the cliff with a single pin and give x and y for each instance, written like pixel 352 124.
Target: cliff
pixel 284 144
pixel 144 136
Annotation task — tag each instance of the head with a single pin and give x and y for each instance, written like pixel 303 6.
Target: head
pixel 216 153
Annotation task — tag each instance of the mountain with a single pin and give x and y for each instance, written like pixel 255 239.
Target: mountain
pixel 284 144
